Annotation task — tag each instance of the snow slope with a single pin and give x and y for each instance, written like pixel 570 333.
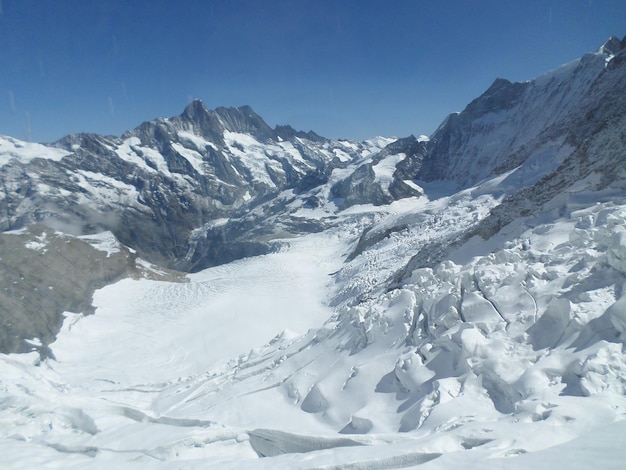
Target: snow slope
pixel 11 148
pixel 197 325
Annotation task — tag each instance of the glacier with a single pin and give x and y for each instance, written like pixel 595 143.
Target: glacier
pixel 456 300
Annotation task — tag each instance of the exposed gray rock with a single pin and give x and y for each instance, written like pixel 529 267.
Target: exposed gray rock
pixel 43 274
pixel 360 188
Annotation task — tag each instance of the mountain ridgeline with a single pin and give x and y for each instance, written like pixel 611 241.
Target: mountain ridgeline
pixel 212 186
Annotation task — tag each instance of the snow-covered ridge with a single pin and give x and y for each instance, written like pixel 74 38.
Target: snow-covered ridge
pixel 24 152
pixel 512 123
pixel 184 171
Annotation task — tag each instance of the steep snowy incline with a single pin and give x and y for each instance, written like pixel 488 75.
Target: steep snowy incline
pixel 531 127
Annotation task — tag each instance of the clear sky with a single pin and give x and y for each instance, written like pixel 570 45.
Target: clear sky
pixel 343 68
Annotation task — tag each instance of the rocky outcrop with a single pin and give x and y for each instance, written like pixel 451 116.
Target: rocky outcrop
pixel 44 273
pixel 371 184
pixel 360 188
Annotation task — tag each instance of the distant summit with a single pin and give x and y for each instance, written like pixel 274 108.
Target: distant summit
pixel 613 46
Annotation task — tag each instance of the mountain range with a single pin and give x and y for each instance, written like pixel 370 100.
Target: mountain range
pixel 233 294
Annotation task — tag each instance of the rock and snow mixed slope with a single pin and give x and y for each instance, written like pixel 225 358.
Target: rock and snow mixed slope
pixel 155 186
pixel 425 303
pixel 188 193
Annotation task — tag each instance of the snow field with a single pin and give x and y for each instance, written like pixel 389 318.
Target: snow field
pixel 183 329
pixel 24 152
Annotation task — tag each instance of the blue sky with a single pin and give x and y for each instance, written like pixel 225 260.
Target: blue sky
pixel 345 69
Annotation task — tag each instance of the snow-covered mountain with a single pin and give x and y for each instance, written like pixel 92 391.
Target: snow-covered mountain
pixel 208 292
pixel 158 183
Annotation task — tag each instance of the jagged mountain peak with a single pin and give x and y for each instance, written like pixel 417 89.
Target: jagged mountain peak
pixel 244 120
pixel 158 183
pixel 241 119
pixel 195 110
pixel 613 45
pixel 287 132
pixel 206 123
pixel 502 94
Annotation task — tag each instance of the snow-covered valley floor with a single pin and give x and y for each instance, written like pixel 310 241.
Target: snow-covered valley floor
pixel 507 354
